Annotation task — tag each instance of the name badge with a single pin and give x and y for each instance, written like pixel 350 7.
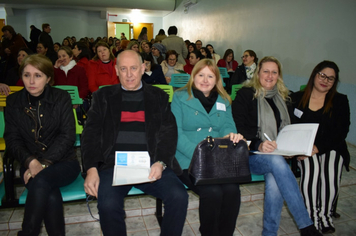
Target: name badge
pixel 298 113
pixel 220 106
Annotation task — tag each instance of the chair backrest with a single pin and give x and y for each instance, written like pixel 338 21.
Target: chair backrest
pixel 13 89
pixel 102 86
pixel 179 80
pixel 302 87
pixel 73 92
pixel 223 72
pixel 2 124
pixel 234 89
pixel 167 88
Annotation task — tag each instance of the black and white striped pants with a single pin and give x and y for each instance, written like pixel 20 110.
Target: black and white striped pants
pixel 319 184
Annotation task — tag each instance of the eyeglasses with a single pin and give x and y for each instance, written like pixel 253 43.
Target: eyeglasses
pixel 322 76
pixel 245 56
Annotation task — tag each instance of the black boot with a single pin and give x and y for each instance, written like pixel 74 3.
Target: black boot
pixel 310 231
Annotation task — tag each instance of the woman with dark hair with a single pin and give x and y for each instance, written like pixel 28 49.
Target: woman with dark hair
pixel 191 48
pixel 13 76
pixel 42 48
pixel 321 172
pixel 40 134
pixel 116 48
pixel 142 35
pixel 147 47
pixel 153 72
pixel 206 53
pixel 56 46
pixel 66 42
pixel 244 71
pixel 194 57
pixel 214 55
pixel 67 72
pixel 171 65
pixel 228 61
pixel 160 36
pixel 101 69
pixel 82 54
pixel 260 109
pixel 202 108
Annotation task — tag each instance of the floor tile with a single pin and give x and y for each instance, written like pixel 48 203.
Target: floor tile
pixel 135 224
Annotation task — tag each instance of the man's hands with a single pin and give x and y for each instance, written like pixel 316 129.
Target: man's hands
pixel 156 171
pixel 267 146
pixel 91 183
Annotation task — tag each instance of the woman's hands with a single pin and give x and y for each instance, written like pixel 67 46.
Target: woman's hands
pixel 267 146
pixel 315 151
pixel 58 63
pixel 33 169
pixel 235 138
pixel 4 89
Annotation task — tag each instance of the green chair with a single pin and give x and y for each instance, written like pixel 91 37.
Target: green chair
pixel 302 87
pixel 102 86
pixel 179 80
pixel 234 89
pixel 76 100
pixel 71 192
pixel 257 178
pixel 223 72
pixel 167 88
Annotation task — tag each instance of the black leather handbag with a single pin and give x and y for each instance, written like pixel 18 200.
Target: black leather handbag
pixel 220 161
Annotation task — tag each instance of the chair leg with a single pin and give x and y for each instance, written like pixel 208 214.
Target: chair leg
pixel 159 215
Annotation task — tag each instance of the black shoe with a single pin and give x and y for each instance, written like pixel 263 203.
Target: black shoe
pixel 328 230
pixel 310 231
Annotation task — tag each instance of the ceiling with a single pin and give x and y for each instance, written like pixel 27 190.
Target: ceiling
pixel 157 8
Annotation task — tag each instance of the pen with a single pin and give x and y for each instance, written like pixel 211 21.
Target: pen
pixel 267 137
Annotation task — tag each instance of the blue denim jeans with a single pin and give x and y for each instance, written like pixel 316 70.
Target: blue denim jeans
pixel 169 188
pixel 280 185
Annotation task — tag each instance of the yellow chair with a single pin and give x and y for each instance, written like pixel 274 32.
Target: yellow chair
pixel 167 88
pixel 13 89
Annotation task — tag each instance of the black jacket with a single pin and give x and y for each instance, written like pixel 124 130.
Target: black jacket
pixel 333 128
pixel 103 125
pixel 54 141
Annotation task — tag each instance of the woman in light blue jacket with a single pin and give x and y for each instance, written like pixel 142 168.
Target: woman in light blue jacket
pixel 202 108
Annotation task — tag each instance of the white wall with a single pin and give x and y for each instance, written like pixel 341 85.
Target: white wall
pixel 299 33
pixel 64 22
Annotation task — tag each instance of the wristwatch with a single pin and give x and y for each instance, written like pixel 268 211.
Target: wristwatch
pixel 163 164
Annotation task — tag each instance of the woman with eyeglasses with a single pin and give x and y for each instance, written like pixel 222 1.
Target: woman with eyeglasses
pixel 171 65
pixel 321 173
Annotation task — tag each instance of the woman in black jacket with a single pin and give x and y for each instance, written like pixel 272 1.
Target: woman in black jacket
pixel 40 134
pixel 321 173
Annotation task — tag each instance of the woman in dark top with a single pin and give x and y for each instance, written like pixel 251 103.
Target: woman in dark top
pixel 260 108
pixel 321 173
pixel 40 134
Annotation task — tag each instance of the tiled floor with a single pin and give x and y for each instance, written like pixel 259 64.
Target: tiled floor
pixel 141 220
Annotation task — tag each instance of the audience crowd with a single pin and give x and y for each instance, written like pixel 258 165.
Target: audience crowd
pixel 263 105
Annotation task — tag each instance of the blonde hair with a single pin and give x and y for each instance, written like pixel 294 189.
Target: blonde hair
pixel 255 81
pixel 218 85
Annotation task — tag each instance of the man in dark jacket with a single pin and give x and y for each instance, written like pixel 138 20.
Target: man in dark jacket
pixel 47 40
pixel 132 116
pixel 34 35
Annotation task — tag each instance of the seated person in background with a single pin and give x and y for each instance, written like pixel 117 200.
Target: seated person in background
pixel 198 44
pixel 132 116
pixel 228 61
pixel 206 53
pixel 260 108
pixel 171 65
pixel 82 55
pixel 101 69
pixel 194 57
pixel 13 76
pixel 67 72
pixel 244 71
pixel 46 151
pixel 321 173
pixel 123 45
pixel 66 42
pixel 158 52
pixel 42 49
pixel 153 72
pixel 191 48
pixel 214 55
pixel 142 44
pixel 147 48
pixel 116 48
pixel 56 47
pixel 133 45
pixel 199 104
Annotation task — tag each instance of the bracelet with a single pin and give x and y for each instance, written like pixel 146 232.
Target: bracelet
pixel 163 164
